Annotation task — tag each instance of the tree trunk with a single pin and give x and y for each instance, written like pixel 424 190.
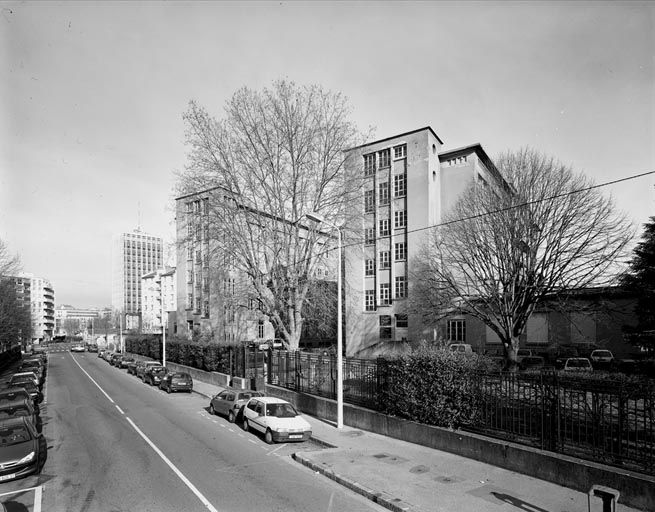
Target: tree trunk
pixel 511 349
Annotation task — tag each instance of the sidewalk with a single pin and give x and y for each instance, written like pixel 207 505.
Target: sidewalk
pixel 403 476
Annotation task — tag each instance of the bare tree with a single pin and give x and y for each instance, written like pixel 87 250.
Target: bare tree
pixel 498 253
pixel 15 316
pixel 9 264
pixel 274 157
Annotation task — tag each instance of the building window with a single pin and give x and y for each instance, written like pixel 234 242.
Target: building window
pixel 189 229
pixel 400 151
pixel 384 227
pixel 401 287
pixel 400 219
pixel 369 201
pixel 369 301
pixel 197 308
pixel 400 185
pixel 370 267
pixel 260 329
pixel 456 330
pixel 369 164
pixel 385 333
pixel 189 253
pixel 385 320
pixel 205 309
pixel 383 193
pixel 401 321
pixel 205 206
pixel 400 251
pixel 384 158
pixel 384 260
pixel 385 295
pixel 189 276
pixel 369 236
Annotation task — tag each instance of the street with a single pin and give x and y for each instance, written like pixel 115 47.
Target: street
pixel 117 444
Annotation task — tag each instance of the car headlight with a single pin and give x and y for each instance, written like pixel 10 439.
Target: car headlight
pixel 282 430
pixel 28 458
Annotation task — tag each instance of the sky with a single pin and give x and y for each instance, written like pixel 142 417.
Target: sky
pixel 92 96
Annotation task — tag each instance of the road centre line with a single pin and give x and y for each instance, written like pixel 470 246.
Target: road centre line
pixel 119 409
pixel 180 475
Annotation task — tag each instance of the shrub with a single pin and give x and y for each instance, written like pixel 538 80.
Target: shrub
pixel 432 386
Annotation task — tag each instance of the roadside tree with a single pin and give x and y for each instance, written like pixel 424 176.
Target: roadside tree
pixel 640 278
pixel 498 253
pixel 275 156
pixel 15 316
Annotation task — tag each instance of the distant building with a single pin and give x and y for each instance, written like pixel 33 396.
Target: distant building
pixel 70 320
pixel 40 295
pixel 158 286
pixel 133 255
pixel 410 185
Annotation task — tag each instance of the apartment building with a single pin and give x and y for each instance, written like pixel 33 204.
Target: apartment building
pixel 133 255
pixel 158 297
pixel 214 296
pixel 410 184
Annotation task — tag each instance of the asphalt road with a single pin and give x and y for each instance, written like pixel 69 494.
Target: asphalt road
pixel 116 444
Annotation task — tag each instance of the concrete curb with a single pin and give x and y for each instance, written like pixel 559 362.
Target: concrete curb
pixel 381 498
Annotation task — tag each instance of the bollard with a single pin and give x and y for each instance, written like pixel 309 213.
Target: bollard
pixel 608 495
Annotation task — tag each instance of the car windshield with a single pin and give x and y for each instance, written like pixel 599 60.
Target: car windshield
pixel 14 435
pixel 602 353
pixel 281 410
pixel 578 363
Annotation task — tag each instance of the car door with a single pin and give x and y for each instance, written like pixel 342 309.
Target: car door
pixel 259 420
pixel 223 403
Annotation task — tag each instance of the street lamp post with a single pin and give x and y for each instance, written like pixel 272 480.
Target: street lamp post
pixel 163 323
pixel 319 219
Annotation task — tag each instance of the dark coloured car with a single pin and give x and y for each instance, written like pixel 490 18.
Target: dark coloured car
pixel 154 374
pixel 125 360
pixel 115 359
pixel 33 365
pixel 143 367
pixel 31 388
pixel 21 377
pixel 130 366
pixel 532 363
pixel 177 381
pixel 20 407
pixel 23 450
pixel 16 393
pixel 564 353
pixel 230 401
pixel 92 347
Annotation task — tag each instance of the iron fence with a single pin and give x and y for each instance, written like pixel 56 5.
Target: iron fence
pixel 612 422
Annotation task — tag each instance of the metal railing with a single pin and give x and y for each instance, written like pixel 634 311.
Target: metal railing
pixel 611 422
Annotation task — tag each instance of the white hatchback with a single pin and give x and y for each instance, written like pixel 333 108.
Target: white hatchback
pixel 277 419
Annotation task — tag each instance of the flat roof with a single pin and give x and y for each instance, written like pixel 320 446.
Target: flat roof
pixel 429 128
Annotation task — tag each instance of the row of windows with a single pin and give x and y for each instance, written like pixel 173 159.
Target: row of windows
pixel 456 161
pixel 400 254
pixel 399 222
pixel 198 206
pixel 385 294
pixel 399 190
pixel 383 158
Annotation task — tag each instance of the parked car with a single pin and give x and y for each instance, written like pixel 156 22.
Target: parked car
pixel 460 348
pixel 124 361
pixel 131 366
pixel 115 359
pixel 277 419
pixel 15 393
pixel 20 377
pixel 230 401
pixel 176 381
pixel 532 363
pixel 154 374
pixel 563 353
pixel 31 388
pixel 601 356
pixel 33 365
pixel 78 347
pixel 523 352
pixel 578 364
pixel 20 406
pixel 141 368
pixel 92 347
pixel 23 450
pixel 101 353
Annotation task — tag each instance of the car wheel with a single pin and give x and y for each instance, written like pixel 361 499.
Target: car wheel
pixel 212 411
pixel 231 417
pixel 268 436
pixel 168 389
pixel 246 425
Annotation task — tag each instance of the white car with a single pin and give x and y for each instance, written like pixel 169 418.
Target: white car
pixel 578 364
pixel 601 356
pixel 277 419
pixel 78 348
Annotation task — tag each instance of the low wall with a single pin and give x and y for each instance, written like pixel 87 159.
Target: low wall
pixel 637 490
pixel 240 383
pixel 215 378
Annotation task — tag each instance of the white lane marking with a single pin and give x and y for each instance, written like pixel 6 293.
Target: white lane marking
pixel 222 425
pixel 184 479
pixel 214 421
pixel 38 498
pixel 91 379
pixel 251 441
pixel 119 409
pixel 230 430
pixel 278 448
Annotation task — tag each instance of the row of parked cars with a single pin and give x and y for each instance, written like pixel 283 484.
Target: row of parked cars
pixel 150 372
pixel 23 447
pixel 275 419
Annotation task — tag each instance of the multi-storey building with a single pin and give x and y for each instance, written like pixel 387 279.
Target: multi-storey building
pixel 410 185
pixel 158 297
pixel 133 255
pixel 70 320
pixel 213 296
pixel 40 295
